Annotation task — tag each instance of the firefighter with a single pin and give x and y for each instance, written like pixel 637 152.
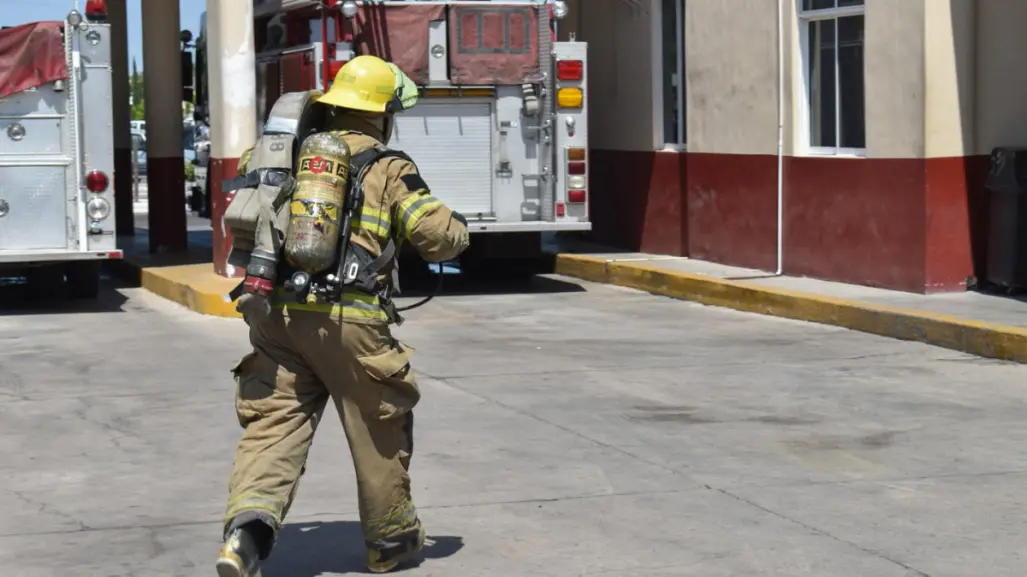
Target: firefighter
pixel 305 354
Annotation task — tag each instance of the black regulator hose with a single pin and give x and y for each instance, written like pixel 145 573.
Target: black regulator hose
pixel 424 301
pixel 438 287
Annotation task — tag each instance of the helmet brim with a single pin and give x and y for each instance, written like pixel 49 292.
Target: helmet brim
pixel 350 100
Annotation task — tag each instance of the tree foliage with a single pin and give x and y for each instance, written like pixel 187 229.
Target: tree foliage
pixel 138 92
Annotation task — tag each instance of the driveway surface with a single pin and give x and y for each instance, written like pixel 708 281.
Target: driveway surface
pixel 566 429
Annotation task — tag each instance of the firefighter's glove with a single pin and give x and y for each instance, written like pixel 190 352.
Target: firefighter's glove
pixel 254 303
pixel 253 307
pixel 463 236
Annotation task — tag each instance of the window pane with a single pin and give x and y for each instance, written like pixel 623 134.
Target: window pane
pixel 822 83
pixel 817 4
pixel 850 74
pixel 850 3
pixel 670 73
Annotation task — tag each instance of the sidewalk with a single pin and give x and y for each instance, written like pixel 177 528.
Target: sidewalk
pixel 185 278
pixel 984 325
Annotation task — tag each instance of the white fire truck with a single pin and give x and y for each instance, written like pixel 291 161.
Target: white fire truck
pixel 57 151
pixel 501 131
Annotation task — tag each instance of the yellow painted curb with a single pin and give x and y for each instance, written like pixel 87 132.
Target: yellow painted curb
pixel 194 286
pixel 977 338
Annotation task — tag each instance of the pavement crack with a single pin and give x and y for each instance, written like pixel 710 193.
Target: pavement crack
pixel 821 532
pixel 561 427
pixel 701 364
pixel 558 499
pixel 115 434
pixel 46 509
pixel 158 548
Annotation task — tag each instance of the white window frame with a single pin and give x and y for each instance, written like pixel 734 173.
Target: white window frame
pixel 659 136
pixel 806 17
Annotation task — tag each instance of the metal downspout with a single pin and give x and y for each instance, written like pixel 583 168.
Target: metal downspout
pixel 780 136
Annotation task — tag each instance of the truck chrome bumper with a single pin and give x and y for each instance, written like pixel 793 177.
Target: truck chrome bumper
pixel 530 226
pixel 48 255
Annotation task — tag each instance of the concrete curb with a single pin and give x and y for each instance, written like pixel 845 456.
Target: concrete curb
pixel 977 338
pixel 194 286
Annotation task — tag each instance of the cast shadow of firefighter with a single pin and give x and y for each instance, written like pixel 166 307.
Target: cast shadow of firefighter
pixel 317 549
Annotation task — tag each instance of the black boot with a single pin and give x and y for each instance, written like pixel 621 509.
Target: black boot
pixel 241 554
pixel 384 555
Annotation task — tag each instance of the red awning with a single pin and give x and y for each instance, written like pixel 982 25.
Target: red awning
pixel 31 55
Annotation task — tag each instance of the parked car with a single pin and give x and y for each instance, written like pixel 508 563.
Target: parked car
pixel 139 144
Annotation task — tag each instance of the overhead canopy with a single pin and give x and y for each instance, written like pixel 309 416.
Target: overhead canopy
pixel 31 55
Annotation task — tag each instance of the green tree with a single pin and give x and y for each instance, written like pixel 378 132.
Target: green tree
pixel 138 90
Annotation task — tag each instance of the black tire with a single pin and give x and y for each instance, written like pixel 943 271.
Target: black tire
pixel 84 279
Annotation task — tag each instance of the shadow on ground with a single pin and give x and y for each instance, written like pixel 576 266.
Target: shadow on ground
pixel 316 549
pixel 18 297
pixel 459 285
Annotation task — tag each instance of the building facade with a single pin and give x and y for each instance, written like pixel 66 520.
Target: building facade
pixel 884 113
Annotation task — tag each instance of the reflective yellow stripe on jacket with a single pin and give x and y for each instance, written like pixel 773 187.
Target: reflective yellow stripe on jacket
pixel 354 305
pixel 413 209
pixel 373 220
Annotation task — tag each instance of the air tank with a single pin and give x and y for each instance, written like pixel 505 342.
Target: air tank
pixel 317 203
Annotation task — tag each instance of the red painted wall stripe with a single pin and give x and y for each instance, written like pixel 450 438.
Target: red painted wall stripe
pixel 222 169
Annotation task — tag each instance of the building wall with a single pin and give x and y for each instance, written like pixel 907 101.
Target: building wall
pixel 998 101
pixel 636 192
pixel 953 217
pixel 1001 98
pixel 731 78
pixel 943 85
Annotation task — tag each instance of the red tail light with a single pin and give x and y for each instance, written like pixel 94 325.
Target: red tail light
pixel 570 70
pixel 97 181
pixel 560 209
pixel 575 168
pixel 576 196
pixel 96 9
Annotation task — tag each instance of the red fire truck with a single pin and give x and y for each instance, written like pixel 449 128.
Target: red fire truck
pixel 501 131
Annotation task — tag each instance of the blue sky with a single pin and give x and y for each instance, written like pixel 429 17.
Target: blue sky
pixel 15 13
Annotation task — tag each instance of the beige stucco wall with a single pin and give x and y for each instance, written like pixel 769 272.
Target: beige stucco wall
pixel 894 77
pixel 943 77
pixel 949 77
pixel 1001 72
pixel 620 71
pixel 732 97
pixel 731 76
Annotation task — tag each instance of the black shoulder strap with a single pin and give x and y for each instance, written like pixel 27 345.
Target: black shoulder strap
pixel 363 160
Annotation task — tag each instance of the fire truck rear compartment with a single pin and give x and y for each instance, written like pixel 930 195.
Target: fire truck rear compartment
pixel 451 142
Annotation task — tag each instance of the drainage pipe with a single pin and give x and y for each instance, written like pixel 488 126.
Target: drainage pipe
pixel 780 136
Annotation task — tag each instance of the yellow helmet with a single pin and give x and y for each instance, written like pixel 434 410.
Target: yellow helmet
pixel 371 84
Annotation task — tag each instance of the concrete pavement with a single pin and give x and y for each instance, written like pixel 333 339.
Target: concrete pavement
pixel 566 429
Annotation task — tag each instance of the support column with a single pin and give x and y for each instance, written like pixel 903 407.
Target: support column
pixel 162 73
pixel 233 108
pixel 123 217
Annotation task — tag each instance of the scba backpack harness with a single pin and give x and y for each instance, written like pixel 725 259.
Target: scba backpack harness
pixel 258 216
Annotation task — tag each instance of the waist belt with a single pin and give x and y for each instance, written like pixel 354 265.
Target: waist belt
pixel 353 305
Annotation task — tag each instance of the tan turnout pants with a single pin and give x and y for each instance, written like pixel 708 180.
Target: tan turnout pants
pixel 300 359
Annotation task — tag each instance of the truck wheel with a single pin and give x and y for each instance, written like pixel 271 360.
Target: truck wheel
pixel 84 279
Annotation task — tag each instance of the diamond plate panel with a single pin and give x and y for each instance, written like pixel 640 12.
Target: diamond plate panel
pixel 35 197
